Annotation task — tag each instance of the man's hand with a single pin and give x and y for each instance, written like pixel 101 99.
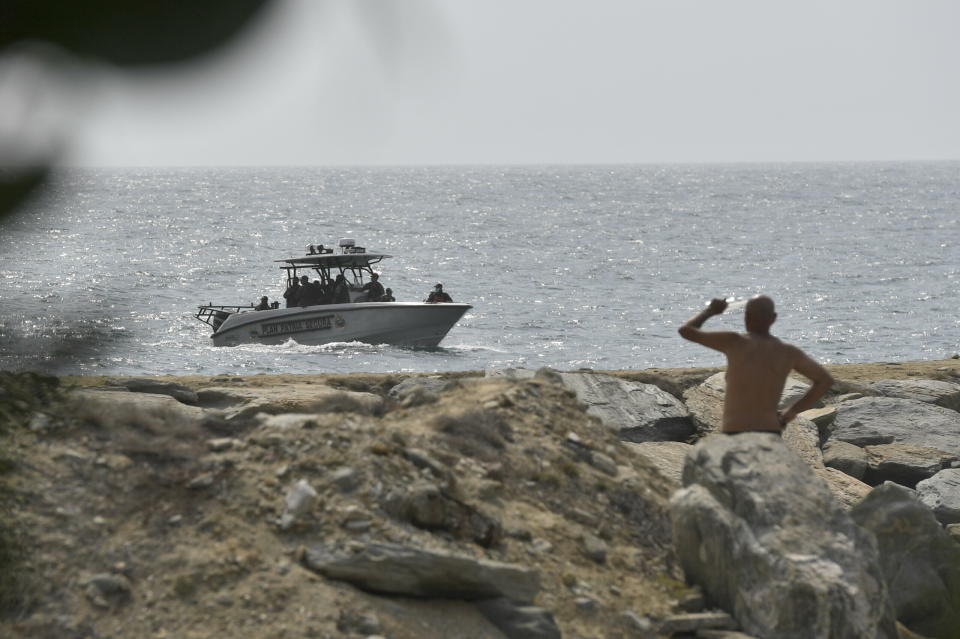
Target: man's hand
pixel 717 340
pixel 717 306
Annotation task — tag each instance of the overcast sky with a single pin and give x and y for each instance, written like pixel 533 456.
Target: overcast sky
pixel 362 82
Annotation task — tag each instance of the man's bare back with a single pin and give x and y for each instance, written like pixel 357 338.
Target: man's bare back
pixel 757 368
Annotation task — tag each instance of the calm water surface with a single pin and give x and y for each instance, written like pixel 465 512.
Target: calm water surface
pixel 565 266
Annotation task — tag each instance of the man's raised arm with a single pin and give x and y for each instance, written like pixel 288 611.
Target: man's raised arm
pixel 717 340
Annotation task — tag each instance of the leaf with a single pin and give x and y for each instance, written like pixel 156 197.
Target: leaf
pixel 128 32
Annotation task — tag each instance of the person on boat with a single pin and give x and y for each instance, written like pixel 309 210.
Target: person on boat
pixel 264 304
pixel 341 290
pixel 373 288
pixel 387 296
pixel 292 294
pixel 438 295
pixel 757 368
pixel 312 294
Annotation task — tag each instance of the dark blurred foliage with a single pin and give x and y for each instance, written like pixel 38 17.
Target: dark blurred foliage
pixel 124 32
pixel 129 33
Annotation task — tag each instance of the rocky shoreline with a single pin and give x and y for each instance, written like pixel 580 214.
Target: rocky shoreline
pixel 511 503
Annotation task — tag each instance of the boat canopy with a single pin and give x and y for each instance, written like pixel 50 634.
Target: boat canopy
pixel 329 260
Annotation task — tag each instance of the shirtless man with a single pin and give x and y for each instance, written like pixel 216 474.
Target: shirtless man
pixel 757 367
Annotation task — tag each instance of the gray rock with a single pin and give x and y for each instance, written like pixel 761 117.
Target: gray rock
pixel 201 482
pixel 803 437
pixel 109 584
pixel 920 562
pixel 299 500
pixel 666 457
pixel 887 420
pixel 362 623
pixel 638 624
pixel 222 444
pixel 946 394
pixel 603 463
pixel 694 621
pixel 518 621
pixel 904 464
pixel 594 548
pixel 941 493
pixel 767 541
pixel 822 417
pixel 846 458
pixel 417 385
pixel 587 604
pixel 636 412
pixel 179 392
pixel 422 459
pixel 427 506
pixel 722 634
pixel 346 479
pixel 413 572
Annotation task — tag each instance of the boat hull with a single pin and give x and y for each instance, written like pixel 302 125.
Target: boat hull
pixel 398 323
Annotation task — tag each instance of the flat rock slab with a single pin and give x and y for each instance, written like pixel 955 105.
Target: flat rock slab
pixel 179 392
pixel 120 407
pixel 666 457
pixel 413 572
pixel 694 621
pixel 886 420
pixel 904 464
pixel 767 541
pixel 519 621
pixel 920 562
pixel 247 401
pixel 946 394
pixel 941 493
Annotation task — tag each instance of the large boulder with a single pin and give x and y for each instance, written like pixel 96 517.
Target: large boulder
pixel 636 412
pixel 705 402
pixel 942 493
pixel 886 420
pixel 414 572
pixel 946 394
pixel 904 464
pixel 767 541
pixel 920 561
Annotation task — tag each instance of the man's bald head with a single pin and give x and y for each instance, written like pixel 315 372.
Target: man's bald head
pixel 760 314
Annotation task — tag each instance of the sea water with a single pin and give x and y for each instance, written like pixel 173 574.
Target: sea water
pixel 565 266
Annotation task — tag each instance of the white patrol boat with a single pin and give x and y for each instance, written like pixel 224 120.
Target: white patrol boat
pixel 417 324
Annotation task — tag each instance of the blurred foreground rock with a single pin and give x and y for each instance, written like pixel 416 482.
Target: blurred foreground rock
pixel 920 562
pixel 766 541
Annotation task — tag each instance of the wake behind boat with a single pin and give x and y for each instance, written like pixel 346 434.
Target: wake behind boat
pixel 343 305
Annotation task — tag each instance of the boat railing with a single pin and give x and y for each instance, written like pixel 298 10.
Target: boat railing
pixel 215 314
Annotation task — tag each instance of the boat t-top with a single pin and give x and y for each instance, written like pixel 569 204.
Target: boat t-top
pixel 338 309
